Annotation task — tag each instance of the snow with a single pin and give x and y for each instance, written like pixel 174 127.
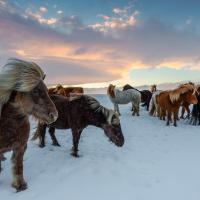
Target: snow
pixel 156 163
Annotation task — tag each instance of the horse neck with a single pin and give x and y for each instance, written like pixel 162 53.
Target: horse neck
pixel 13 109
pixel 16 102
pixel 98 118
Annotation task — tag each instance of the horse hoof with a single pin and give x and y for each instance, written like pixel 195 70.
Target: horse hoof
pixel 56 144
pixel 20 187
pixel 75 155
pixel 41 145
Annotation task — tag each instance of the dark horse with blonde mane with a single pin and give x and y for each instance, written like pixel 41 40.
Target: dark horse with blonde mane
pixel 76 115
pixel 170 101
pixel 22 93
pixel 145 95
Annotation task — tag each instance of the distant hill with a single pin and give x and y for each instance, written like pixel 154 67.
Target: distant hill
pixel 163 86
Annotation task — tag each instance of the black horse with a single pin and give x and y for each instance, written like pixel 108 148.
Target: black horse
pixel 145 95
pixel 195 118
pixel 76 115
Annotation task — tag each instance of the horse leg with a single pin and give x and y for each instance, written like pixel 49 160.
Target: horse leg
pixel 158 110
pixel 182 112
pixel 168 117
pixel 41 133
pixel 175 113
pixel 76 136
pixel 134 109
pixel 148 102
pixel 53 137
pixel 2 158
pixel 138 109
pixel 117 109
pixel 188 111
pixel 17 159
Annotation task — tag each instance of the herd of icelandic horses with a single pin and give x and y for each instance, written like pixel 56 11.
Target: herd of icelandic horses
pixel 163 104
pixel 24 93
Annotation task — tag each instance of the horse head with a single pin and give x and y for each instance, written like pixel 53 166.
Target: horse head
pixel 112 128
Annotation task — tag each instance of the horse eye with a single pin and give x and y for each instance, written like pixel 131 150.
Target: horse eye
pixel 35 92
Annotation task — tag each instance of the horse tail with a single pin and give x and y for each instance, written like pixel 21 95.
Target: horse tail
pixel 38 131
pixel 35 136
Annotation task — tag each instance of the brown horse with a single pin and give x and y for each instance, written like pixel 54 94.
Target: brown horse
pixel 65 91
pixel 23 93
pixel 59 89
pixel 186 105
pixel 76 115
pixel 170 101
pixel 73 90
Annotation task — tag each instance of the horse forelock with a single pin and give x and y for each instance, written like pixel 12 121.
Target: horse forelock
pixel 18 75
pixel 113 117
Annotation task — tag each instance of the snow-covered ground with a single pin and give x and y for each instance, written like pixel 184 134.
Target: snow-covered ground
pixel 156 163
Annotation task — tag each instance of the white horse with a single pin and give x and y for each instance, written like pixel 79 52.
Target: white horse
pixel 154 109
pixel 124 97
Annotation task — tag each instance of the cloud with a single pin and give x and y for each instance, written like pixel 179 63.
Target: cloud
pixel 43 9
pixel 74 52
pixel 121 19
pixel 59 12
pixel 39 16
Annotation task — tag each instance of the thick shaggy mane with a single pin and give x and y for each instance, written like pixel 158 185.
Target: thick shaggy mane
pixel 111 90
pixel 97 107
pixel 182 89
pixel 18 75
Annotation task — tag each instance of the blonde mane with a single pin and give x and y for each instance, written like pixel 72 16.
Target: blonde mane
pixel 182 89
pixel 18 75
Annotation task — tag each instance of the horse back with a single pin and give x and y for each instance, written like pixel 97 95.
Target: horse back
pixel 70 113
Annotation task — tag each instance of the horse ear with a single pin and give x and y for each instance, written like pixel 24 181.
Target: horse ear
pixel 44 76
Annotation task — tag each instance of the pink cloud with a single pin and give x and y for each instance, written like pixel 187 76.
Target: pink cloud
pixel 101 52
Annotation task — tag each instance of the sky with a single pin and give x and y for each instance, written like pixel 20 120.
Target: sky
pixel 96 42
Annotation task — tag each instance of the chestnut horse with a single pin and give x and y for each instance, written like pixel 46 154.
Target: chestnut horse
pixel 73 90
pixel 185 106
pixel 65 91
pixel 76 115
pixel 22 93
pixel 59 89
pixel 170 101
pixel 145 95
